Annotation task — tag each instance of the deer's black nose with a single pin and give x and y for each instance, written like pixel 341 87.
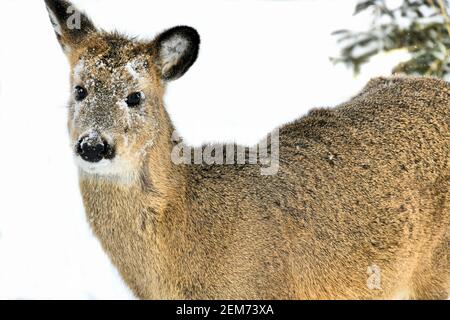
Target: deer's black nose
pixel 92 148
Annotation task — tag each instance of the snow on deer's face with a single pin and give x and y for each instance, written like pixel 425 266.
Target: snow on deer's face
pixel 115 105
pixel 115 110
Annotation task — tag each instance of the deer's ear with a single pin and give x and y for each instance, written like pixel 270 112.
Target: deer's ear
pixel 71 26
pixel 176 51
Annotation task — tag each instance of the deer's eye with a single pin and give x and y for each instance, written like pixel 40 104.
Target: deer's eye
pixel 80 93
pixel 134 99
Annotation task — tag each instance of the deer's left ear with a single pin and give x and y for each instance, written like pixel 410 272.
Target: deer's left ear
pixel 71 26
pixel 176 51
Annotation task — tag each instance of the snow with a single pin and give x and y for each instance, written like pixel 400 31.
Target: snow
pixel 132 67
pixel 265 68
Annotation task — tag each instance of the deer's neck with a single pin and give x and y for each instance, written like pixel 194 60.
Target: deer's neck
pixel 140 224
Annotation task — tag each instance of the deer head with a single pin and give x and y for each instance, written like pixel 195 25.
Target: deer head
pixel 116 112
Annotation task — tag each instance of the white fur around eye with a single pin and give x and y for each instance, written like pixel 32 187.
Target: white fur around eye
pixel 78 70
pixel 172 50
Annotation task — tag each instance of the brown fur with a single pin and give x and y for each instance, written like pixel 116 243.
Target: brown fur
pixel 363 184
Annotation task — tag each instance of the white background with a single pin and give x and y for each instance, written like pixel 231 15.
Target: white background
pixel 262 63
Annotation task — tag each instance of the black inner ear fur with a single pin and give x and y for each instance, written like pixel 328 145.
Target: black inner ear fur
pixel 60 9
pixel 189 55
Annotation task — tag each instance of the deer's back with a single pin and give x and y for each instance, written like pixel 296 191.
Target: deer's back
pixel 360 187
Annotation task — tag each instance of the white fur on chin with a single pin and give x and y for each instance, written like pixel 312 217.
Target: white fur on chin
pixel 106 169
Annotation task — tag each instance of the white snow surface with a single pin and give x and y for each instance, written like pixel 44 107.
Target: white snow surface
pixel 262 63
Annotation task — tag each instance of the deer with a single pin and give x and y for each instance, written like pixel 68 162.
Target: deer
pixel 358 207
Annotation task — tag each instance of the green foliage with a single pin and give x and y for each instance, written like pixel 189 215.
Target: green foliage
pixel 419 26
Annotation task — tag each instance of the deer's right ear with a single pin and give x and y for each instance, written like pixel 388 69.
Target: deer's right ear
pixel 71 26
